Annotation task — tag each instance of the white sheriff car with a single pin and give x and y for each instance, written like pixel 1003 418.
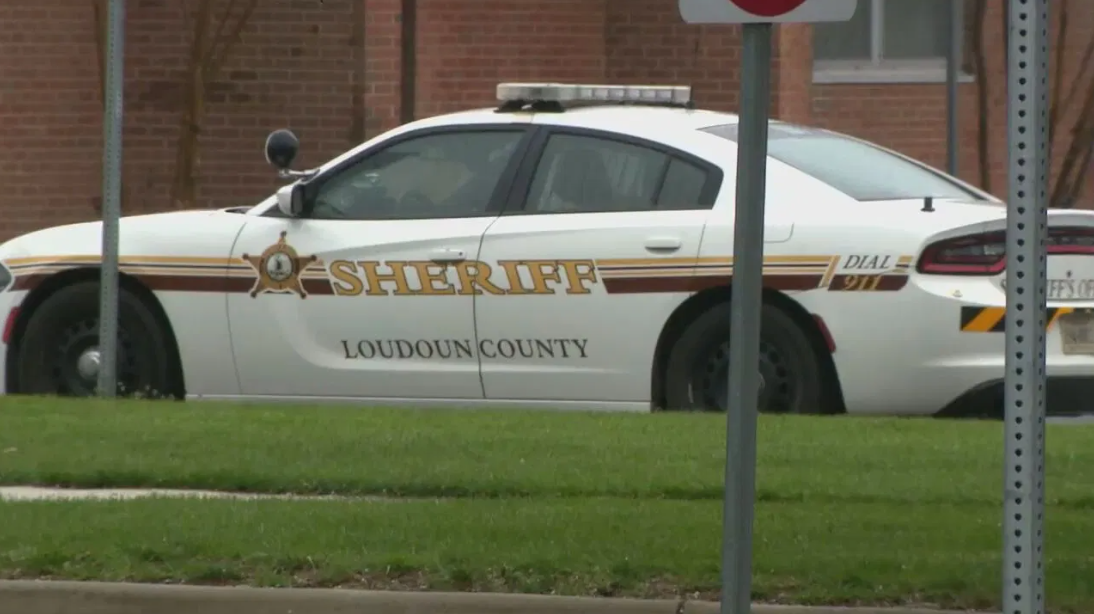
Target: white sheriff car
pixel 569 248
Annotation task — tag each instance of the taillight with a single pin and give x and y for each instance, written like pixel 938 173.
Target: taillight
pixel 1071 241
pixel 985 254
pixel 982 254
pixel 9 325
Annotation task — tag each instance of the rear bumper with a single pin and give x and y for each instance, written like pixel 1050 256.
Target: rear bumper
pixel 911 353
pixel 966 382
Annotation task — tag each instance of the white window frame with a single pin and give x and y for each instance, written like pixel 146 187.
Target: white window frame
pixel 880 70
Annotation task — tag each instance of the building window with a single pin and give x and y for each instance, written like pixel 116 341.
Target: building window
pixel 896 41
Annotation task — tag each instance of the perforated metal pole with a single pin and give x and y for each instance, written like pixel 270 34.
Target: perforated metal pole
pixel 112 198
pixel 744 320
pixel 1024 396
pixel 953 71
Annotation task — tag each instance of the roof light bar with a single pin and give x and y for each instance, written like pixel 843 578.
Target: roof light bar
pixel 569 92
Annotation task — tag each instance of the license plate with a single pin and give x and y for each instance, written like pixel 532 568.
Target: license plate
pixel 1077 333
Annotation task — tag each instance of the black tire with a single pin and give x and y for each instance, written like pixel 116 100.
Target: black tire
pixel 66 324
pixel 696 377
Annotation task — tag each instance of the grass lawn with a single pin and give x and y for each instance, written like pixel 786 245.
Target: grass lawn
pixel 850 510
pixel 825 553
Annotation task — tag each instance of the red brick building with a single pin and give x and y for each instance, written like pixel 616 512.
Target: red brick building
pixel 337 71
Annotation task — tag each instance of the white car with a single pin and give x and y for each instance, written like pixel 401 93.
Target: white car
pixel 570 248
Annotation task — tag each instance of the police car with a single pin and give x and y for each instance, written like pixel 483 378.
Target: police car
pixel 570 248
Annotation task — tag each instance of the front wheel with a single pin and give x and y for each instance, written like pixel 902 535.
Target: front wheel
pixel 59 352
pixel 697 376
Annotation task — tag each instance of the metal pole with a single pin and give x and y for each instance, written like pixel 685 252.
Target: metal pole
pixel 112 199
pixel 1024 397
pixel 953 68
pixel 744 325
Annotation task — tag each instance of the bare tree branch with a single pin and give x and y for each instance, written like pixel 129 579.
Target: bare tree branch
pixel 1071 196
pixel 219 34
pixel 1073 170
pixel 213 36
pixel 982 93
pixel 1085 64
pixel 230 40
pixel 359 126
pixel 100 46
pixel 1058 78
pixel 183 188
pixel 200 30
pixel 188 18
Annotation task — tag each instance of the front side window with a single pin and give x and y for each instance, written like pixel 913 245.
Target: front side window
pixel 586 174
pixel 441 175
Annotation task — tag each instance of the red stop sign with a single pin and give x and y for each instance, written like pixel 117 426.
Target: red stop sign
pixel 767 8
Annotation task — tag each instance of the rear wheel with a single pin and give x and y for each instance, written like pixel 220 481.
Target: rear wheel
pixel 59 352
pixel 697 376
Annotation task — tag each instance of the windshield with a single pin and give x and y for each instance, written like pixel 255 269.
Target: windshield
pixel 856 168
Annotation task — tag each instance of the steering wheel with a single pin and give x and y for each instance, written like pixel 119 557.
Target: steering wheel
pixel 331 207
pixel 414 198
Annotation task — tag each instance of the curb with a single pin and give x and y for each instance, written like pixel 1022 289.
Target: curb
pixel 49 493
pixel 46 597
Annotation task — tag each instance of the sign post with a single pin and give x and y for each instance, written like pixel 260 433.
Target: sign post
pixel 954 50
pixel 744 319
pixel 757 17
pixel 112 199
pixel 1024 382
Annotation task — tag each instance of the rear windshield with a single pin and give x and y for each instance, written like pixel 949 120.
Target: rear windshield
pixel 860 170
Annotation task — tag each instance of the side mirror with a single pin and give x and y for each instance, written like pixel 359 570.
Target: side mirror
pixel 281 148
pixel 290 199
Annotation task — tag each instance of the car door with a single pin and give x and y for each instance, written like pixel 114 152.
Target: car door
pixel 373 294
pixel 599 240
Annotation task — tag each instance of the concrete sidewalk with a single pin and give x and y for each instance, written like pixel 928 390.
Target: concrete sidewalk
pixel 37 597
pixel 51 493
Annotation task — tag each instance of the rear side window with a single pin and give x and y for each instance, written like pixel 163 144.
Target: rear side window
pixel 860 170
pixel 683 186
pixel 581 173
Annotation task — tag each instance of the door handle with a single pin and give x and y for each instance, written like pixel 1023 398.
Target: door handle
pixel 663 244
pixel 445 254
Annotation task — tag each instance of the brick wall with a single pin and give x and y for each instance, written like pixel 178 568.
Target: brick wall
pixel 331 71
pixel 466 47
pixel 296 67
